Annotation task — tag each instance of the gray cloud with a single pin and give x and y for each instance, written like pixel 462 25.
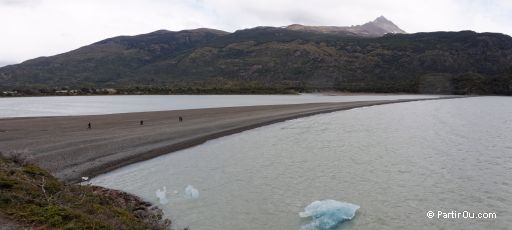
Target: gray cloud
pixel 20 2
pixel 4 63
pixel 32 28
pixel 13 2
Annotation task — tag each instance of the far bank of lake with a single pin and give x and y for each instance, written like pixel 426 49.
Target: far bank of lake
pixel 94 105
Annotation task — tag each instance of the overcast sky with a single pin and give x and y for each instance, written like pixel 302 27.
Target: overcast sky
pixel 32 28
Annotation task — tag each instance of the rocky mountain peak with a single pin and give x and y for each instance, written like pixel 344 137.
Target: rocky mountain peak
pixel 375 28
pixel 384 25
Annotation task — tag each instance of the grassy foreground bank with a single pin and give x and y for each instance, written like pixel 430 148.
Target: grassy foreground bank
pixel 32 198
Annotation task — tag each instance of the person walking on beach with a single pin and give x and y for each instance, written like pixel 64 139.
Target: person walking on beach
pixel 180 119
pixel 89 125
pixel 141 122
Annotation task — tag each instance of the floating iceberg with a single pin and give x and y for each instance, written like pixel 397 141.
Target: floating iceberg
pixel 191 192
pixel 162 195
pixel 327 214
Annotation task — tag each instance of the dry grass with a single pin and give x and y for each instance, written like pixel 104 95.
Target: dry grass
pixel 33 198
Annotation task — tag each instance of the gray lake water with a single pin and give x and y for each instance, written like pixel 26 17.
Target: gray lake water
pixel 396 161
pixel 93 105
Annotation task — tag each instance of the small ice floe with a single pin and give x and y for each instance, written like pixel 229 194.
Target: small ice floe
pixel 85 178
pixel 191 192
pixel 327 214
pixel 162 195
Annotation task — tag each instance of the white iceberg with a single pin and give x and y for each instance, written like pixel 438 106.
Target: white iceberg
pixel 191 192
pixel 162 195
pixel 327 214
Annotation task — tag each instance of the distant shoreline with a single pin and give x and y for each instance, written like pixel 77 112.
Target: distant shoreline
pixel 69 150
pixel 197 91
pixel 24 92
pixel 325 93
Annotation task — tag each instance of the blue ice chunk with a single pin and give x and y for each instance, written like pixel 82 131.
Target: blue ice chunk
pixel 191 192
pixel 162 195
pixel 327 214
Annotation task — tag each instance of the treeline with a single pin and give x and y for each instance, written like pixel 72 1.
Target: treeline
pixel 149 90
pixel 465 84
pixel 65 91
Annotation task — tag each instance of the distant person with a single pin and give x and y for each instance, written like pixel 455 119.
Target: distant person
pixel 181 119
pixel 89 125
pixel 141 122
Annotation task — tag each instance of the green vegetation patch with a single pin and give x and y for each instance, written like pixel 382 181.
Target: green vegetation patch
pixel 32 197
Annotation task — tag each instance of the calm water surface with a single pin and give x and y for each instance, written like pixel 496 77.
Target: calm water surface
pixel 92 105
pixel 396 161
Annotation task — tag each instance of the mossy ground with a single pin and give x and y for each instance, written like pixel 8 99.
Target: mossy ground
pixel 32 197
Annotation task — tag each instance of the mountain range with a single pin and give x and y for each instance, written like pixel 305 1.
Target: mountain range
pixel 377 56
pixel 375 28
